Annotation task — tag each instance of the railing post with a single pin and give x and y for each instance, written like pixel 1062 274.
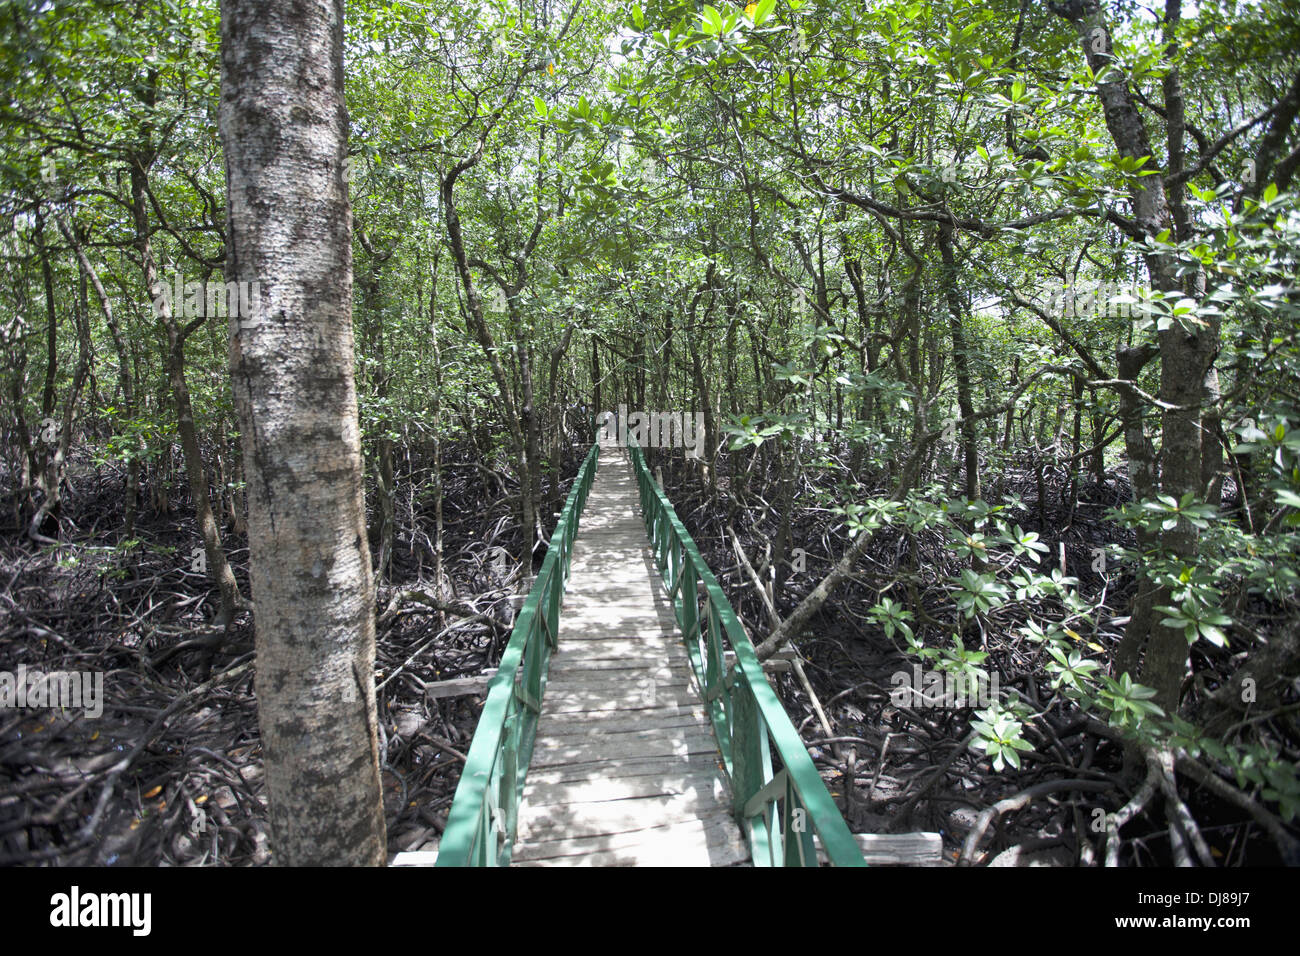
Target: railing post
pixel 751 766
pixel 799 850
pixel 508 796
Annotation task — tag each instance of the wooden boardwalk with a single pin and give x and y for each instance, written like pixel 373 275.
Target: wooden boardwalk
pixel 625 770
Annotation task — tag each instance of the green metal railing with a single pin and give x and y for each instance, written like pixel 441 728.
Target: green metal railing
pixel 484 813
pixel 778 811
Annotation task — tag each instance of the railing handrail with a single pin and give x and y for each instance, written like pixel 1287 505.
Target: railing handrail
pixel 800 774
pixel 503 740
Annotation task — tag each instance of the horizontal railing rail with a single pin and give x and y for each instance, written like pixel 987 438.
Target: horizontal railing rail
pixel 481 825
pixel 778 812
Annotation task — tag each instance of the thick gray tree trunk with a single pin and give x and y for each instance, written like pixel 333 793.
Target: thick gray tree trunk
pixel 284 129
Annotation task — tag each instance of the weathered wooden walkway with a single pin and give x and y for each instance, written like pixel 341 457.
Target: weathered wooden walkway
pixel 626 768
pixel 596 747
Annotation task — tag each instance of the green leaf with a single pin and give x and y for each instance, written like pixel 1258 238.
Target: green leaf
pixel 1289 498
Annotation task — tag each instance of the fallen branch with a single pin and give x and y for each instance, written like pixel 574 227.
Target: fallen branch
pixel 421 596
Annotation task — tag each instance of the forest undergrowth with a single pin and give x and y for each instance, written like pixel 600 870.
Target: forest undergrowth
pixel 906 768
pixel 171 773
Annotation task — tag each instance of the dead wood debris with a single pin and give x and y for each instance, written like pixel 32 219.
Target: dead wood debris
pixel 171 772
pixel 909 769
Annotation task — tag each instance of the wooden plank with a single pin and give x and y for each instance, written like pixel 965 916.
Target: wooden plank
pixel 633 681
pixel 597 723
pixel 630 589
pixel 613 534
pixel 621 640
pixel 415 858
pixel 671 661
pixel 555 751
pixel 573 821
pixel 646 651
pixel 695 843
pixel 604 717
pixel 602 788
pixel 608 627
pixel 630 633
pixel 630 653
pixel 620 769
pixel 628 691
pixel 627 730
pixel 633 723
pixel 687 850
pixel 780 662
pixel 611 668
pixel 620 682
pixel 460 686
pixel 565 702
pixel 635 692
pixel 591 623
pixel 895 849
pixel 631 649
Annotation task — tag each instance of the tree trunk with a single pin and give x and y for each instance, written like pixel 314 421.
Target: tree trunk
pixel 1186 355
pixel 477 323
pixel 595 379
pixel 869 360
pixel 384 525
pixel 218 567
pixel 1071 500
pixel 284 129
pixel 47 463
pixel 961 365
pixel 437 431
pixel 558 430
pixel 530 477
pixel 125 382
